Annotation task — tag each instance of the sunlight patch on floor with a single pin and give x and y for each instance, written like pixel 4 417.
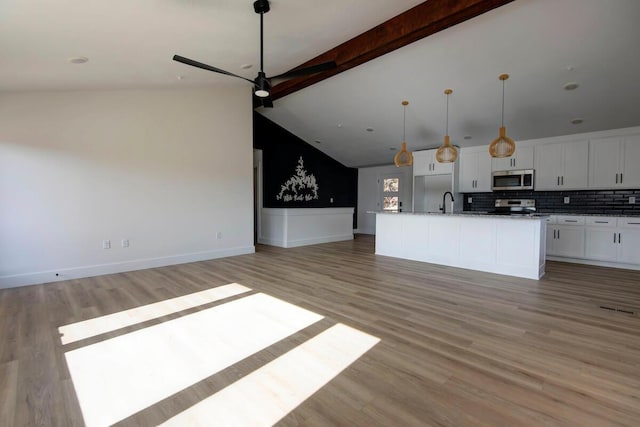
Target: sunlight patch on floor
pixel 111 322
pixel 120 376
pixel 269 393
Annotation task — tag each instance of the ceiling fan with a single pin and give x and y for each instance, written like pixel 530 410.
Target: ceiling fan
pixel 262 83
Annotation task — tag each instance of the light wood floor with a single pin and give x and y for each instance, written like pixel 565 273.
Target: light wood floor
pixel 459 347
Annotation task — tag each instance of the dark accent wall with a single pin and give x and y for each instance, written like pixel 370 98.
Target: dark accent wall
pixel 605 202
pixel 280 153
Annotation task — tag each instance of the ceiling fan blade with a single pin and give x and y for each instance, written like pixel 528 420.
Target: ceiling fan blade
pixel 307 70
pixel 197 64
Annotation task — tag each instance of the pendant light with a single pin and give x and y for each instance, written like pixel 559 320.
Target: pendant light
pixel 404 156
pixel 502 146
pixel 447 153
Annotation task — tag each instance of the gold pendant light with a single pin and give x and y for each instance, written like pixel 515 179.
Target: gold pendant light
pixel 404 156
pixel 502 146
pixel 447 153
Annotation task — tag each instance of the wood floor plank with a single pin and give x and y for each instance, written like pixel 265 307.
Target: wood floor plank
pixel 458 347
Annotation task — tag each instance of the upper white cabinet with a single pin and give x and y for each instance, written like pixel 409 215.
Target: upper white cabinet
pixel 521 159
pixel 614 162
pixel 425 163
pixel 475 170
pixel 562 166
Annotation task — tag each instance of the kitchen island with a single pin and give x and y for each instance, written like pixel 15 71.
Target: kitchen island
pixel 511 245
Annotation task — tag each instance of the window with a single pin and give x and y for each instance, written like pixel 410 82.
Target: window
pixel 390 194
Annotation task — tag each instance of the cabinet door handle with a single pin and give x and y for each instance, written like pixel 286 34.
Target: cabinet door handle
pixel 554 234
pixel 558 234
pixel 614 237
pixel 619 238
pixel 570 220
pixel 562 180
pixel 633 223
pixel 558 180
pixel 616 178
pixel 621 177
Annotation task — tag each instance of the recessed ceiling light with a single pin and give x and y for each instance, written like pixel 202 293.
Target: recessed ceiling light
pixel 577 121
pixel 369 129
pixel 246 66
pixel 180 77
pixel 571 86
pixel 339 125
pixel 467 137
pixel 78 59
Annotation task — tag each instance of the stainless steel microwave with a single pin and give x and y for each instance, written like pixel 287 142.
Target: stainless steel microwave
pixel 512 180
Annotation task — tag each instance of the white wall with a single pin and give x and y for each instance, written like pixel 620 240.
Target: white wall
pixel 370 197
pixel 166 169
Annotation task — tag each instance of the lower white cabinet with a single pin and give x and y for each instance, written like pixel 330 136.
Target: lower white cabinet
pixel 613 239
pixel 565 236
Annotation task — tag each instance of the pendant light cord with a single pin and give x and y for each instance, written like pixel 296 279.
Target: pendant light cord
pixel 404 122
pixel 447 121
pixel 502 103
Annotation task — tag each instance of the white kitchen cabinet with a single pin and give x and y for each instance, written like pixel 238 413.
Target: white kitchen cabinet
pixel 601 239
pixel 562 166
pixel 425 163
pixel 613 239
pixel 629 240
pixel 475 170
pixel 565 236
pixel 521 159
pixel 614 162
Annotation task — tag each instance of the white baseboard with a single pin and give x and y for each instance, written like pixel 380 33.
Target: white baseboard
pixel 116 267
pixel 594 262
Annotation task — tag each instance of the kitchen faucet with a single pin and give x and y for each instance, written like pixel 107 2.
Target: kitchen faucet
pixel 444 196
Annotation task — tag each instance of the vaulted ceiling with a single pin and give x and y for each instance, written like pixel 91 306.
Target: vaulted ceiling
pixel 542 44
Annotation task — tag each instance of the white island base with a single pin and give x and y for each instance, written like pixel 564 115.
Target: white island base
pixel 514 246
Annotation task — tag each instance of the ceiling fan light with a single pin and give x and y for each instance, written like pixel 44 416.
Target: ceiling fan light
pixel 502 146
pixel 446 153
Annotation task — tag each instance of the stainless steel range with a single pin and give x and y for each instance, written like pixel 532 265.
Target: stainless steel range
pixel 515 207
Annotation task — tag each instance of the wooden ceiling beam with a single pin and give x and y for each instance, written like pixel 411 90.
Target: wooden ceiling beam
pixel 416 23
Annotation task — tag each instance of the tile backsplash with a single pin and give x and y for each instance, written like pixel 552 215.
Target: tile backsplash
pixel 605 202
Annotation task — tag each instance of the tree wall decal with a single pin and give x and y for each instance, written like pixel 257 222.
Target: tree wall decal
pixel 300 187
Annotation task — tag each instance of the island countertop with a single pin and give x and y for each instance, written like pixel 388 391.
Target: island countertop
pixel 470 214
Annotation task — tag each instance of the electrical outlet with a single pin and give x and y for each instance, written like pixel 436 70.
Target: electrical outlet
pixel 331 200
pixel 566 200
pixel 125 243
pixel 106 244
pixel 219 235
pixel 469 199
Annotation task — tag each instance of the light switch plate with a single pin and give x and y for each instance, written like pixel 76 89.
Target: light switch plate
pixel 632 200
pixel 566 200
pixel 469 199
